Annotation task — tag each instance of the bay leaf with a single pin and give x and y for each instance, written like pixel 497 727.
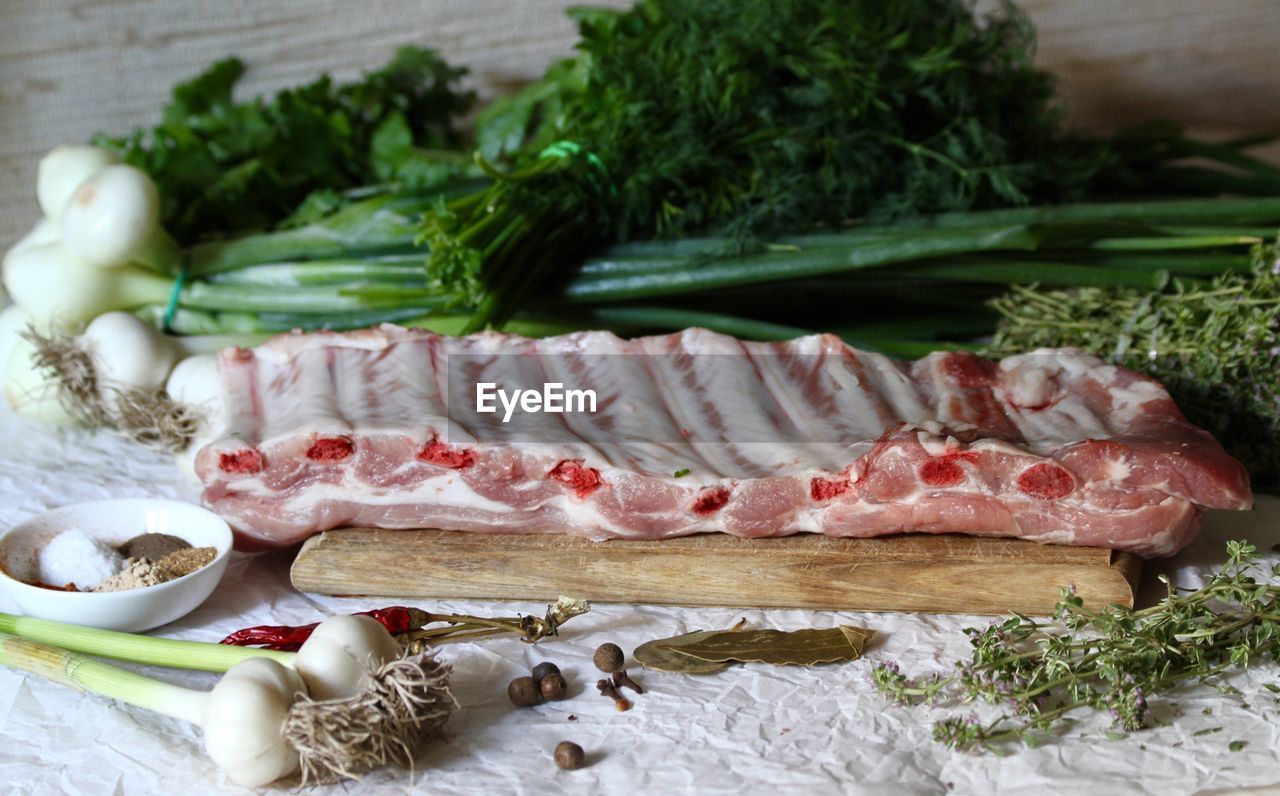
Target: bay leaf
pixel 806 647
pixel 657 655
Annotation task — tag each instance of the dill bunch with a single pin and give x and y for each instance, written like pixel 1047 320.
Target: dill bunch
pixel 1117 660
pixel 754 116
pixel 1215 345
pixel 789 113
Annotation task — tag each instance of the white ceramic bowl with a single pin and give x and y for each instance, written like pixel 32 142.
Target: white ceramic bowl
pixel 115 522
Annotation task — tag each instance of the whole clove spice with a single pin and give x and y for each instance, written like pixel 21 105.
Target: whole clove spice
pixel 608 689
pixel 623 680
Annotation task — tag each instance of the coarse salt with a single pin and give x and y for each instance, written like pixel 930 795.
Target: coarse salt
pixel 74 556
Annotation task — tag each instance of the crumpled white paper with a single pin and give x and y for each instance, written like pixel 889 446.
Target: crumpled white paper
pixel 751 729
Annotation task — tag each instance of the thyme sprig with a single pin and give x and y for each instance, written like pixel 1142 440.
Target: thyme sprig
pixel 1115 660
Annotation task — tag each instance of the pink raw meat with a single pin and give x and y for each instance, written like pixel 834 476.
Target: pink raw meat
pixel 325 430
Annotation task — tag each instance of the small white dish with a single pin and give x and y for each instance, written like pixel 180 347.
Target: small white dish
pixel 114 522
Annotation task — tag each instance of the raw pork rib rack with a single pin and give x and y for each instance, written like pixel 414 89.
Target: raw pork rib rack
pixel 324 430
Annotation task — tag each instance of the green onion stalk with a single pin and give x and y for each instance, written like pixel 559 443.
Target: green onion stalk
pixel 375 272
pixel 371 262
pixel 268 717
pixel 360 632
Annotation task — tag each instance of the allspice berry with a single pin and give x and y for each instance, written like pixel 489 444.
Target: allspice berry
pixel 543 669
pixel 569 755
pixel 553 686
pixel 523 692
pixel 609 658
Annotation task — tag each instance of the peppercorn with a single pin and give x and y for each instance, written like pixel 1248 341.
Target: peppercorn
pixel 569 755
pixel 609 658
pixel 523 692
pixel 553 687
pixel 543 669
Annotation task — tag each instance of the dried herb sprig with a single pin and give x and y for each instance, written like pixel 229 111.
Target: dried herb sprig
pixel 458 627
pixel 417 628
pixel 1115 660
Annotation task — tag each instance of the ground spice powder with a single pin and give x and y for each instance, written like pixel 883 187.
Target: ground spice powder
pixel 141 572
pixel 184 562
pixel 137 573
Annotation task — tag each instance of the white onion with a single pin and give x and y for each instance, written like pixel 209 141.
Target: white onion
pixel 64 170
pixel 44 231
pixel 60 291
pixel 111 218
pixel 127 353
pixel 196 383
pixel 12 322
pixel 29 392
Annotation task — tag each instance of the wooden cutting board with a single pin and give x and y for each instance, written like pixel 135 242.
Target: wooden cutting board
pixel 915 572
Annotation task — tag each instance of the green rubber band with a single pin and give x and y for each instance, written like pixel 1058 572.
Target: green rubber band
pixel 568 149
pixel 171 308
pixel 560 149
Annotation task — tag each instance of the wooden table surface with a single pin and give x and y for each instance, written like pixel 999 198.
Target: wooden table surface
pixel 69 68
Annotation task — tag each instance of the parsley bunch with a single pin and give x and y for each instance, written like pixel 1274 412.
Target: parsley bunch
pixel 1215 345
pixel 223 166
pixel 1116 660
pixel 754 117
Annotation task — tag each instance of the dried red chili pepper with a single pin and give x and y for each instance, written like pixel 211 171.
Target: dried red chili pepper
pixel 399 619
pixel 288 638
pixel 411 623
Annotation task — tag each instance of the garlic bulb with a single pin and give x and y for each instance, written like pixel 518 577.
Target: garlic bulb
pixel 243 719
pixel 340 654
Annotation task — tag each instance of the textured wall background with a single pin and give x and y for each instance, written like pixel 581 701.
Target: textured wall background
pixel 69 68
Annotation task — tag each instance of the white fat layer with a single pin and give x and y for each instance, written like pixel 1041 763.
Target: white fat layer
pixel 1031 387
pixel 1118 470
pixel 1064 536
pixel 447 490
pixel 935 445
pixel 1128 402
pixel 997 446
